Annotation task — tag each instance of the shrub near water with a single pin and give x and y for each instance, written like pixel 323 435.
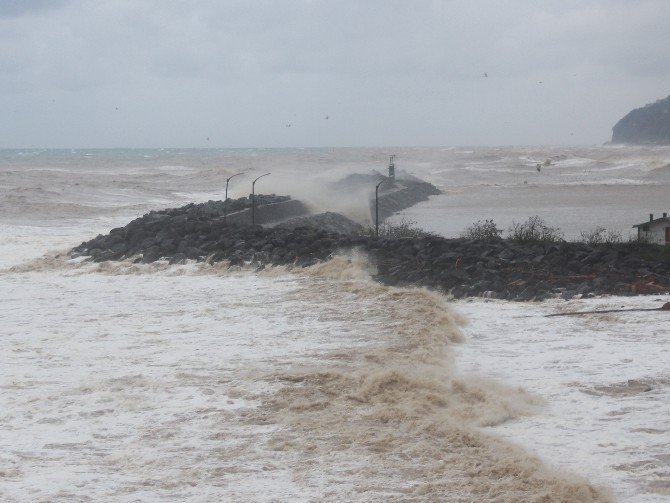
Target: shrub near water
pixel 600 235
pixel 534 230
pixel 403 229
pixel 482 230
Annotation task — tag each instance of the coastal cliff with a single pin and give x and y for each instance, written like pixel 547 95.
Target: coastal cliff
pixel 649 125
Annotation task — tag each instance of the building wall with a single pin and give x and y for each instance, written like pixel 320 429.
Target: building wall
pixel 655 234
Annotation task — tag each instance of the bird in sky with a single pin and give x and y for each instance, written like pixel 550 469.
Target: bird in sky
pixel 486 74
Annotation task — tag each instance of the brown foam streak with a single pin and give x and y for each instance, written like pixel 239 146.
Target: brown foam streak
pixel 390 420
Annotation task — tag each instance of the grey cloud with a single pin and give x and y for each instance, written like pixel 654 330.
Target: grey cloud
pixel 386 71
pixel 14 8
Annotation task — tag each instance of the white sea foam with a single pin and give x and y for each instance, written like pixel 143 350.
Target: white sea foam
pixel 605 379
pixel 114 387
pixel 198 383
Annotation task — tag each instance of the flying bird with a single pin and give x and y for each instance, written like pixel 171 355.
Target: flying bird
pixel 486 74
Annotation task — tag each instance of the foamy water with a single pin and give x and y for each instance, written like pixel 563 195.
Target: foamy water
pixel 124 382
pixel 605 379
pixel 198 382
pixel 128 383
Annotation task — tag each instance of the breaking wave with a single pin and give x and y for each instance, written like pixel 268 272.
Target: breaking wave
pixel 387 419
pixel 392 420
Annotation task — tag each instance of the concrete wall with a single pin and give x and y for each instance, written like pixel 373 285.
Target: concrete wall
pixel 268 213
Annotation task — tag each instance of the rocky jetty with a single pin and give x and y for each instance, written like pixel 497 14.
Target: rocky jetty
pixel 522 271
pixel 498 268
pixel 328 221
pixel 269 209
pixel 190 233
pixel 169 233
pixel 649 125
pixel 402 193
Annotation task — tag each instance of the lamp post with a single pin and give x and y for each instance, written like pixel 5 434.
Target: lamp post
pixel 377 207
pixel 225 204
pixel 253 199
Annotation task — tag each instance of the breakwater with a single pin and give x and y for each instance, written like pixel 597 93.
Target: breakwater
pixel 462 268
pixel 402 195
pixel 393 196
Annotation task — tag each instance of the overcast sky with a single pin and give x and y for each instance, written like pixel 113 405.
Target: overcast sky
pixel 275 73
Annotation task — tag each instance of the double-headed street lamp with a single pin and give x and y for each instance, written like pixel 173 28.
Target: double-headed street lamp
pixel 253 199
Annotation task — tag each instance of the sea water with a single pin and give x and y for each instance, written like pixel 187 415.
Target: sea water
pixel 193 382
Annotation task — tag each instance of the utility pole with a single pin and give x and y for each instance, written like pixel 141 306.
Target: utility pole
pixel 225 204
pixel 253 199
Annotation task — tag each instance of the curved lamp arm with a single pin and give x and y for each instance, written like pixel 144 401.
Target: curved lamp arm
pixel 225 203
pixel 253 199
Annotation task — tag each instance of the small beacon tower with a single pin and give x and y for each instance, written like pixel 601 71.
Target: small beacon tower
pixel 392 169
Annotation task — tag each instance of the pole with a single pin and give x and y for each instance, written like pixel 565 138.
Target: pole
pixel 253 199
pixel 225 203
pixel 377 207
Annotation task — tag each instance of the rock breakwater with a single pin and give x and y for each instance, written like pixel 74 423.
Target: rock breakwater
pixel 498 269
pixel 402 193
pixel 523 271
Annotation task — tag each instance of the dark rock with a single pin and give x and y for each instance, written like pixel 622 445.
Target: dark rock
pixel 329 221
pixel 500 269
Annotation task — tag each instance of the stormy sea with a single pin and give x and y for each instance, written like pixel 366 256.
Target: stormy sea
pixel 196 382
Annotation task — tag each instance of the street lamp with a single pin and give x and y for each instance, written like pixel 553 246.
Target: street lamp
pixel 253 199
pixel 225 204
pixel 377 207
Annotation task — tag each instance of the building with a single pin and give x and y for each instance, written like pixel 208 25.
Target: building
pixel 655 231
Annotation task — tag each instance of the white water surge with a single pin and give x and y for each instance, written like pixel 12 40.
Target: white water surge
pixel 199 383
pixel 604 378
pixel 126 383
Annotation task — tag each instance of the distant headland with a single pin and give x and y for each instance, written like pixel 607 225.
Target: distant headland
pixel 648 125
